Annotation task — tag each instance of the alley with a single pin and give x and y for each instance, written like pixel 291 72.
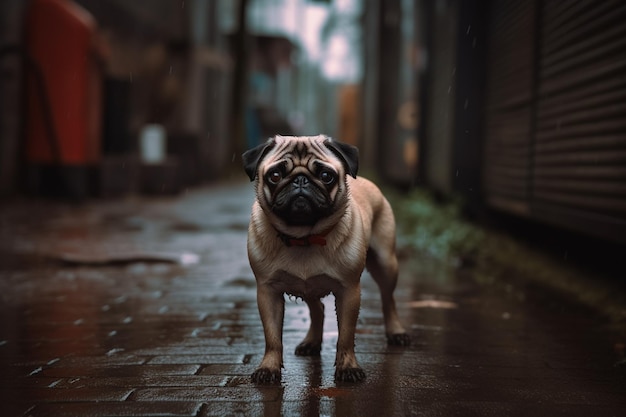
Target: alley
pixel 146 306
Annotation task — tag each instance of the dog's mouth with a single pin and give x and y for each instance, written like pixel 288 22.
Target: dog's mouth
pixel 301 211
pixel 301 208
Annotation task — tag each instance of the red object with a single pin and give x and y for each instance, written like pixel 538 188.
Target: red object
pixel 61 40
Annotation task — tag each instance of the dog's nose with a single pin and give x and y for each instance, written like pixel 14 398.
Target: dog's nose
pixel 300 181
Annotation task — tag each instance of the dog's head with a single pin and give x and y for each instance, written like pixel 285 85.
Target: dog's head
pixel 301 179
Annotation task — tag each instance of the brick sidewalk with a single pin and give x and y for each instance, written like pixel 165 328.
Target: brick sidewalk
pixel 151 338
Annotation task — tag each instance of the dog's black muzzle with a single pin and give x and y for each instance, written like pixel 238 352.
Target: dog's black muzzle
pixel 301 203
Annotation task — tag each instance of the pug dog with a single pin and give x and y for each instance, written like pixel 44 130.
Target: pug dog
pixel 314 227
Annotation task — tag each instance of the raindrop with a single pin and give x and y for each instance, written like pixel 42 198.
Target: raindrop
pixel 112 333
pixel 79 322
pixel 468 29
pixel 121 299
pixel 127 320
pixel 114 351
pixel 436 304
pixel 188 258
pixel 36 371
pixel 53 361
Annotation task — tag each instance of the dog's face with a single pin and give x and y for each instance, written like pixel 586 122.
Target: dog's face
pixel 301 179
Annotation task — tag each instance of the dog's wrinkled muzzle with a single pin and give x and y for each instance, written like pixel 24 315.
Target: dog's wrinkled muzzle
pixel 300 202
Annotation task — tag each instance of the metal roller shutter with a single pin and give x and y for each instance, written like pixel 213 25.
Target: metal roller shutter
pixel 555 143
pixel 579 158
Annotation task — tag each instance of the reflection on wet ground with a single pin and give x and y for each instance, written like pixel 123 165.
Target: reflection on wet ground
pixel 106 333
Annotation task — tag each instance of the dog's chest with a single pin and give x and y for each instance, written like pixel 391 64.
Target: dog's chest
pixel 316 286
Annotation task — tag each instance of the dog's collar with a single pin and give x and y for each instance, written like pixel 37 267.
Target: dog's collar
pixel 315 239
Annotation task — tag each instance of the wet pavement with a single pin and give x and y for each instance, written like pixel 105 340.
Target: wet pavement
pixel 146 307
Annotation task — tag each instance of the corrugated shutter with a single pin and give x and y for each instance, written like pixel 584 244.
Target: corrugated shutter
pixel 506 175
pixel 555 145
pixel 580 143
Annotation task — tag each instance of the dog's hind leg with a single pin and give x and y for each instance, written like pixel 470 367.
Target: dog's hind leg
pixel 382 264
pixel 386 274
pixel 311 345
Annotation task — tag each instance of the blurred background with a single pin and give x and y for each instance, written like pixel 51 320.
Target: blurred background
pixel 515 106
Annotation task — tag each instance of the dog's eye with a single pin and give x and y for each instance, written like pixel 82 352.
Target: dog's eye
pixel 274 176
pixel 327 177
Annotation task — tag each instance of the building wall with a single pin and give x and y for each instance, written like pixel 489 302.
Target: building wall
pixel 11 12
pixel 439 107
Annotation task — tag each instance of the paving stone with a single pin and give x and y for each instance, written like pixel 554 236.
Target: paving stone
pixel 196 359
pixel 32 382
pixel 117 409
pixel 101 371
pixel 52 394
pixel 145 381
pixel 222 350
pixel 231 409
pixel 208 394
pixel 104 359
pixel 228 369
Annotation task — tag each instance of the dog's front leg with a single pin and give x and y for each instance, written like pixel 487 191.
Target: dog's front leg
pixel 347 303
pixel 272 310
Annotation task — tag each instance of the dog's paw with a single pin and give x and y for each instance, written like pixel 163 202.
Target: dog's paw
pixel 399 339
pixel 266 376
pixel 308 349
pixel 349 375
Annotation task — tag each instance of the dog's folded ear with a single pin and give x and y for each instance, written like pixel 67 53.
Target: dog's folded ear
pixel 252 157
pixel 348 154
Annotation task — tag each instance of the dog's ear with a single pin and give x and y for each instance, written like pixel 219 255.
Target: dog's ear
pixel 253 157
pixel 348 154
